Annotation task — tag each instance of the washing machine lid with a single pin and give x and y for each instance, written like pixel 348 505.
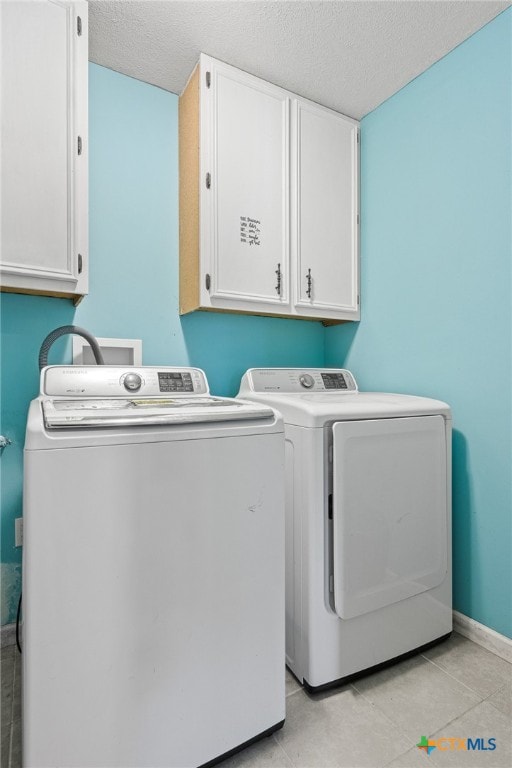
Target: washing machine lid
pixel 74 414
pixel 313 397
pixel 73 397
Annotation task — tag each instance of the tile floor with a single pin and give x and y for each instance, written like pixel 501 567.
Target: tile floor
pixel 456 689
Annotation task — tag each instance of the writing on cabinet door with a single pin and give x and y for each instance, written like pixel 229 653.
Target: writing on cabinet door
pixel 250 230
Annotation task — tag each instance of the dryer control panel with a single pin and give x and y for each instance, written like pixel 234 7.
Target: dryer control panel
pixel 296 380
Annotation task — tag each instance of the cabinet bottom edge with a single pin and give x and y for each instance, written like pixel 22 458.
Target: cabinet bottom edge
pixel 327 321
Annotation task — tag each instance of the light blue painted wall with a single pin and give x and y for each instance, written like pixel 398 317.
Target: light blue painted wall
pixel 436 273
pixel 436 288
pixel 133 284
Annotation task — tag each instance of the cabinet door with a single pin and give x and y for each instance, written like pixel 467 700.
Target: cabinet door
pixel 325 212
pixel 246 136
pixel 43 146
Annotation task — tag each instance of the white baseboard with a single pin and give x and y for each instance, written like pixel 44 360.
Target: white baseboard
pixel 498 644
pixel 7 634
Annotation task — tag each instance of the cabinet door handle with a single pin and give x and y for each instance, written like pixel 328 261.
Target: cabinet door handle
pixel 309 281
pixel 278 286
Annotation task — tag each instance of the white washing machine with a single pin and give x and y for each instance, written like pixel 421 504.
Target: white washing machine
pixel 368 521
pixel 153 582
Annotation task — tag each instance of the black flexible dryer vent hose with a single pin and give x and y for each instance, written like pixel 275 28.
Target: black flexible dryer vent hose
pixel 63 331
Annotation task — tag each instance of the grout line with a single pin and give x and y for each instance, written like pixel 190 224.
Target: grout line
pixel 12 696
pixel 11 729
pixel 468 687
pixel 454 719
pixel 292 693
pixel 399 725
pixel 388 718
pixel 283 750
pixel 9 742
pixel 402 754
pixel 501 688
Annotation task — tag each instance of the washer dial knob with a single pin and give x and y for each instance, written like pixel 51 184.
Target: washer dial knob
pixel 132 382
pixel 306 380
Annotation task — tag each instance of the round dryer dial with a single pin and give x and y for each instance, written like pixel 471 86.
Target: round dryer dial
pixel 306 380
pixel 132 382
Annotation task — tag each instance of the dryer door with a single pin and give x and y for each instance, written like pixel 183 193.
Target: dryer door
pixel 389 511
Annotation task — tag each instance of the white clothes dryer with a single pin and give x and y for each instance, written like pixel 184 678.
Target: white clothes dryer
pixel 153 582
pixel 368 521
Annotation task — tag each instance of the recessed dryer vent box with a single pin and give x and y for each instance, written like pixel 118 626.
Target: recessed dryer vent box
pixel 115 351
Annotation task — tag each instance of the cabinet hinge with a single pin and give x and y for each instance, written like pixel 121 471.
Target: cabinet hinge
pixel 78 26
pixel 207 281
pixel 208 181
pixel 79 145
pixel 80 263
pixel 208 79
pixel 357 299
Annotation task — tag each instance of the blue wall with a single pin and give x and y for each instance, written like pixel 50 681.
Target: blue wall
pixel 133 284
pixel 436 288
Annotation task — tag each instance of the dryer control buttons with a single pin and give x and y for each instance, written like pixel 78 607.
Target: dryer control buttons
pixel 334 381
pixel 306 380
pixel 132 382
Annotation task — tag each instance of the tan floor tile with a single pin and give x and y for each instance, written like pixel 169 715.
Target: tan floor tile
pixel 340 729
pixel 471 664
pixel 6 654
pixel 263 754
pixel 417 696
pixel 502 700
pixel 7 682
pixel 16 692
pixel 6 746
pixel 414 758
pixel 292 684
pixel 483 721
pixel 16 745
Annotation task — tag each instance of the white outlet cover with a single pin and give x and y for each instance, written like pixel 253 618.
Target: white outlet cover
pixel 18 532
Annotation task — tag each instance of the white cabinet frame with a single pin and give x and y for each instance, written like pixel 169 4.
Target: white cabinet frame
pixel 200 242
pixel 17 274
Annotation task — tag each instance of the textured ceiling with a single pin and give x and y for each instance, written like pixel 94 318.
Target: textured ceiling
pixel 350 55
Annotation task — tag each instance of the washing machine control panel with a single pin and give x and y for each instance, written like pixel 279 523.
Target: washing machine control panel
pixel 298 380
pixel 132 382
pixel 121 381
pixel 307 380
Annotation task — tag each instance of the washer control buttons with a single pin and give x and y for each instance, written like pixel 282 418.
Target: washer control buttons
pixel 173 381
pixel 132 382
pixel 306 380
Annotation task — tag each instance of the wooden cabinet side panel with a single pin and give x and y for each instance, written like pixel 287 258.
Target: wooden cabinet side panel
pixel 189 117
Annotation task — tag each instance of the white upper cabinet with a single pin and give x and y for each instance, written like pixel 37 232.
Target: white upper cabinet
pixel 325 212
pixel 44 238
pixel 247 245
pixel 268 200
